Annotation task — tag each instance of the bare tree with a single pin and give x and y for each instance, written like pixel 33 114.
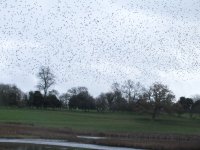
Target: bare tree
pixel 116 87
pixel 161 95
pixel 64 98
pixel 47 79
pixel 132 90
pixel 77 90
pixel 54 92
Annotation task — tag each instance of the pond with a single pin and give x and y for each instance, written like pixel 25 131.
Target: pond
pixel 12 146
pixel 41 144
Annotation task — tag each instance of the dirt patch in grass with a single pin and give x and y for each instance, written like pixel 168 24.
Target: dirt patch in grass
pixel 136 140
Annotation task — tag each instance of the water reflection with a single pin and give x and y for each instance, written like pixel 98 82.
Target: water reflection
pixel 11 146
pixel 39 144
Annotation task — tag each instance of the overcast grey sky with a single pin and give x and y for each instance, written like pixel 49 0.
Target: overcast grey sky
pixel 94 43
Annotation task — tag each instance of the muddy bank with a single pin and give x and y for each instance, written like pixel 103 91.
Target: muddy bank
pixel 134 140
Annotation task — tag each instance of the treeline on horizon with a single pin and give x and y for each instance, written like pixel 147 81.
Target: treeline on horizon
pixel 130 96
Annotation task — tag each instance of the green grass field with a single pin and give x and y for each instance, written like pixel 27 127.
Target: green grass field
pixel 93 121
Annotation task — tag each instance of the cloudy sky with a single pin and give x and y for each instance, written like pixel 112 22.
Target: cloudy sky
pixel 94 43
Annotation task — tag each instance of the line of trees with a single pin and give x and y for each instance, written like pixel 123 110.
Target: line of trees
pixel 129 96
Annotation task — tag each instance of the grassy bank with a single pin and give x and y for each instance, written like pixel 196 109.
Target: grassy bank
pixel 102 122
pixel 120 129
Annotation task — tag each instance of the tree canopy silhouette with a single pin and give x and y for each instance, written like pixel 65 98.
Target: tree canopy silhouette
pixel 46 79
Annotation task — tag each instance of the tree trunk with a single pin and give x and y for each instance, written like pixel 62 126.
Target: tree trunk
pixel 154 113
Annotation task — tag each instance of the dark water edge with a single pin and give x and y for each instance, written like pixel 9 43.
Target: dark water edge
pixel 14 146
pixel 41 144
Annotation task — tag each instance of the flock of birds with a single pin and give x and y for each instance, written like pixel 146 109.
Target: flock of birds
pixel 101 41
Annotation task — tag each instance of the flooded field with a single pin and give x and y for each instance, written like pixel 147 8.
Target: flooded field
pixel 14 146
pixel 40 144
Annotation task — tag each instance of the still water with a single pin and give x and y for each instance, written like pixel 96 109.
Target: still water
pixel 40 144
pixel 11 146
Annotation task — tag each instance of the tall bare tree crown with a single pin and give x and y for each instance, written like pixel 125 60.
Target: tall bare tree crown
pixel 46 79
